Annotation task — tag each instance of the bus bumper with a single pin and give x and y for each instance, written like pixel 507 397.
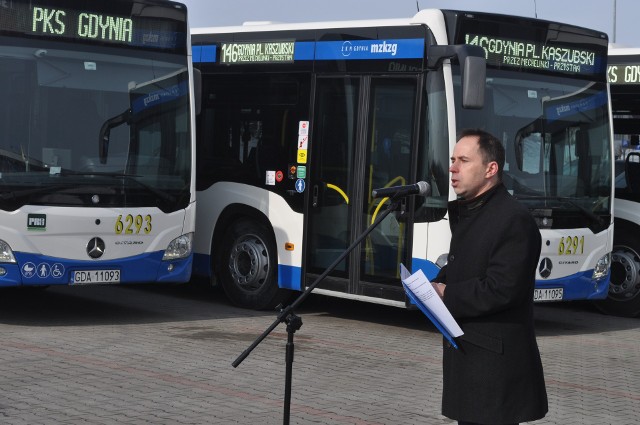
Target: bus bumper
pixel 37 270
pixel 580 286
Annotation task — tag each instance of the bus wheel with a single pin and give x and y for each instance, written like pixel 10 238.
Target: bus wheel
pixel 624 288
pixel 248 265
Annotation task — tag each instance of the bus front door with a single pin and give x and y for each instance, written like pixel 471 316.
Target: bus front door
pixel 363 133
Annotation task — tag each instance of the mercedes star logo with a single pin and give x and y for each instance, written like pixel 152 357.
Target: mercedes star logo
pixel 95 248
pixel 545 267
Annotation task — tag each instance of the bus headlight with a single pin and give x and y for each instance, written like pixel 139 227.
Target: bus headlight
pixel 602 267
pixel 178 248
pixel 6 254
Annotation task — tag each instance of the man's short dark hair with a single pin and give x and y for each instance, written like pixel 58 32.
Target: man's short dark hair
pixel 490 147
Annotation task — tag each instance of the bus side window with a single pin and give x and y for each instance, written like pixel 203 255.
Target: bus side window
pixel 216 158
pixel 268 155
pixel 632 172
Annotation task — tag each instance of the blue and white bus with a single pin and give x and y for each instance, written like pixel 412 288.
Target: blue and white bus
pixel 300 122
pixel 97 183
pixel 624 80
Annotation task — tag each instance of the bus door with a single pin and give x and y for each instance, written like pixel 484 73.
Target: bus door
pixel 363 132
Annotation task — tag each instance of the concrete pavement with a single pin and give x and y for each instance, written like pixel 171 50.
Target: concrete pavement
pixel 162 355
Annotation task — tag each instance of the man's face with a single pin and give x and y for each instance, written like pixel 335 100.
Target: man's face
pixel 470 176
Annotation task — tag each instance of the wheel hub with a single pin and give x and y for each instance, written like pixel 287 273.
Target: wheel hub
pixel 249 263
pixel 625 275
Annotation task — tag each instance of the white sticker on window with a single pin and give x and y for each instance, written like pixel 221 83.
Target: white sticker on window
pixel 270 178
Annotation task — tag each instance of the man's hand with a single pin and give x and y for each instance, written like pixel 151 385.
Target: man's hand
pixel 439 287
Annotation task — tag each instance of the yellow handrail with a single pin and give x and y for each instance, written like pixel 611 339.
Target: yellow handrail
pixel 375 213
pixel 340 191
pixel 383 200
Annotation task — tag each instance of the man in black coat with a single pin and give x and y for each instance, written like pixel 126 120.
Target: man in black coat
pixel 495 377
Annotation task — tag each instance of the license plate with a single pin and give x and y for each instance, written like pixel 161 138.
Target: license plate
pixel 548 294
pixel 88 277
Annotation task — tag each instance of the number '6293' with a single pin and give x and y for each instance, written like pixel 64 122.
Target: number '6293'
pixel 133 224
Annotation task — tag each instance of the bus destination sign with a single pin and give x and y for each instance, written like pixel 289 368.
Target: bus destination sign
pixel 257 52
pixel 81 25
pixel 45 21
pixel 624 74
pixel 526 54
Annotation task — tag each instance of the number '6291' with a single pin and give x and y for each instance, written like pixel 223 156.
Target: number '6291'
pixel 131 224
pixel 571 245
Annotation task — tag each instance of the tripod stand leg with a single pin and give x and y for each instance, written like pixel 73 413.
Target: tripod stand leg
pixel 293 324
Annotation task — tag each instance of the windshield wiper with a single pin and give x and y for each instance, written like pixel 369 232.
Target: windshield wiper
pixel 129 177
pixel 583 210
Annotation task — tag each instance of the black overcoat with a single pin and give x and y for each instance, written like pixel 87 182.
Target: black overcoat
pixel 496 376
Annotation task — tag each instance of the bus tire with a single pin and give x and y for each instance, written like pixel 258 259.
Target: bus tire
pixel 623 298
pixel 248 266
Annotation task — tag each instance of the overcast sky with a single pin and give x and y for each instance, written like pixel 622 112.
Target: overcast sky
pixel 595 14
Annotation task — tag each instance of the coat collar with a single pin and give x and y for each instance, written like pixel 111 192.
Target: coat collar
pixel 464 208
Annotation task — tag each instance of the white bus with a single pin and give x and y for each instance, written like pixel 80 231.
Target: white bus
pixel 624 79
pixel 300 122
pixel 97 184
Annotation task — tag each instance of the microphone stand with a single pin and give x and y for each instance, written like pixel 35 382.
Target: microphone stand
pixel 287 315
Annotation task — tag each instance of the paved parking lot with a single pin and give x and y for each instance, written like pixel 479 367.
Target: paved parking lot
pixel 163 355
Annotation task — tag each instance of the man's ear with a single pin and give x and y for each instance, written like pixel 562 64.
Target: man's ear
pixel 492 169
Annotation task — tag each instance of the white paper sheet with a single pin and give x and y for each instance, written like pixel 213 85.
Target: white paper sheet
pixel 421 287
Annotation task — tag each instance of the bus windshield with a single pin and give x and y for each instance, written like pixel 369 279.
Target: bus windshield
pixel 555 133
pixel 83 120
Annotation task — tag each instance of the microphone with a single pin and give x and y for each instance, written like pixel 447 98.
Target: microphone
pixel 420 188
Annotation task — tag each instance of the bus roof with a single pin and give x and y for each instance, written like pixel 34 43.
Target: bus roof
pixel 623 51
pixel 420 18
pixel 417 19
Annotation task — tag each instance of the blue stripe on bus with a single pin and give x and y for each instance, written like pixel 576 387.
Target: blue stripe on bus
pixel 206 53
pixel 558 110
pixel 33 270
pixel 157 97
pixel 290 277
pixel 157 39
pixel 406 48
pixel 579 286
pixel 304 51
pixel 196 53
pixel 201 265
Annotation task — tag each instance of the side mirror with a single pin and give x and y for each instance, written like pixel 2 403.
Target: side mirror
pixel 474 72
pixel 473 69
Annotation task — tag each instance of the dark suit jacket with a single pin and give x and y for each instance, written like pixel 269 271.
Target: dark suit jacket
pixel 496 376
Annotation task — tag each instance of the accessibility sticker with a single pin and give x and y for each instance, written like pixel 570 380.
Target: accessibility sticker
pixel 300 185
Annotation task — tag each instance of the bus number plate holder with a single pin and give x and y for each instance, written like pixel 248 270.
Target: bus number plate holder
pixel 90 277
pixel 548 294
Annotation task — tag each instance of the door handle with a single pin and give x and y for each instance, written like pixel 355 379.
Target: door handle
pixel 315 192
